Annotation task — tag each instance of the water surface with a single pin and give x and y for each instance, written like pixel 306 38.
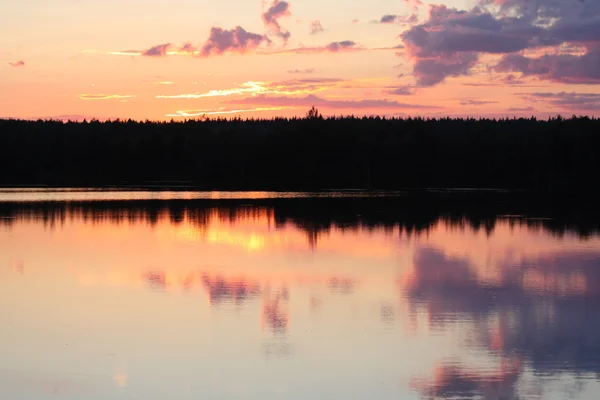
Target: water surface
pixel 164 296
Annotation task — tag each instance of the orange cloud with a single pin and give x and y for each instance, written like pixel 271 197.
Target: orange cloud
pixel 105 96
pixel 221 111
pixel 290 87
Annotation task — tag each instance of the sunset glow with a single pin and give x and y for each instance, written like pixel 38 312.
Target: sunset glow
pixel 184 59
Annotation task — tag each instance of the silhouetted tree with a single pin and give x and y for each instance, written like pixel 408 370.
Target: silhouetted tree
pixel 313 113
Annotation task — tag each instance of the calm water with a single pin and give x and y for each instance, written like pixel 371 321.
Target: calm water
pixel 142 295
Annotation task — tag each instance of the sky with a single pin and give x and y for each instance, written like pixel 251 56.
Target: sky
pixel 180 59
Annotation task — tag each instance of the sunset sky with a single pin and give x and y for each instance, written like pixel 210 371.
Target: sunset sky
pixel 163 59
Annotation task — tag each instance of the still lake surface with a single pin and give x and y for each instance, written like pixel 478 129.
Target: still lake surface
pixel 190 295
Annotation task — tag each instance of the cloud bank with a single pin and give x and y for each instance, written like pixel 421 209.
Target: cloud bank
pixel 451 41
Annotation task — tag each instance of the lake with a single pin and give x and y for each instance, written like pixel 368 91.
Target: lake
pixel 110 294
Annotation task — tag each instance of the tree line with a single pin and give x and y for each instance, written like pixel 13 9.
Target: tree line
pixel 308 153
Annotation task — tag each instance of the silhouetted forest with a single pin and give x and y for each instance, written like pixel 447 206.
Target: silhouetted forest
pixel 309 153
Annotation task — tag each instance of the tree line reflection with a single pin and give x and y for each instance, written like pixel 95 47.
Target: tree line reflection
pixel 409 215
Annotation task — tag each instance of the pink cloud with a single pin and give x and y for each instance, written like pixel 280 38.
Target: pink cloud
pixel 17 64
pixel 278 9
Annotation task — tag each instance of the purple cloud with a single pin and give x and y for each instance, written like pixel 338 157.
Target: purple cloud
pixel 17 64
pixel 572 102
pixel 333 47
pixel 435 69
pixel 158 51
pixel 450 42
pixel 236 40
pixel 278 9
pixel 564 68
pixel 400 19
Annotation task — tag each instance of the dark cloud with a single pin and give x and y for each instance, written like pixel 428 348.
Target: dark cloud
pixel 400 19
pixel 312 100
pixel 567 101
pixel 565 68
pixel 316 27
pixel 507 27
pixel 431 71
pixel 476 102
pixel 449 43
pixel 236 40
pixel 521 109
pixel 333 47
pixel 388 19
pixel 270 17
pixel 19 63
pixel 506 80
pixel 302 71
